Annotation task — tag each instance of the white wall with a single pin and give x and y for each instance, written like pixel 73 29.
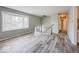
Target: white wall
pixel 33 21
pixel 54 20
pixel 48 21
pixel 72 27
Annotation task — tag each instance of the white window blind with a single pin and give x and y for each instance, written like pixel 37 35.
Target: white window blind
pixel 11 21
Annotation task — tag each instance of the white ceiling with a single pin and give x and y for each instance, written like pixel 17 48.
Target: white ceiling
pixel 40 10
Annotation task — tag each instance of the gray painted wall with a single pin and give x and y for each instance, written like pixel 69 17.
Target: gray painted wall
pixel 33 21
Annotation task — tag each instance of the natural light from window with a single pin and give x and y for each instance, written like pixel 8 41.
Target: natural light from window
pixel 11 21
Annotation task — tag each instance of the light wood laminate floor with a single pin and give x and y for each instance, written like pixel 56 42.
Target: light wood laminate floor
pixel 35 44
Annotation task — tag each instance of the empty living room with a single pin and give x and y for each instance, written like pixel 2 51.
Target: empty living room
pixel 39 29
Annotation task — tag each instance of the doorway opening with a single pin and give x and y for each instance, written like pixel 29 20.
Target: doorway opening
pixel 62 22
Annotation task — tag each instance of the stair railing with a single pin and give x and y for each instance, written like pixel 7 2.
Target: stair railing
pixel 50 27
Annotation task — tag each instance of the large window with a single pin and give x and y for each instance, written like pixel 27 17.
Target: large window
pixel 11 21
